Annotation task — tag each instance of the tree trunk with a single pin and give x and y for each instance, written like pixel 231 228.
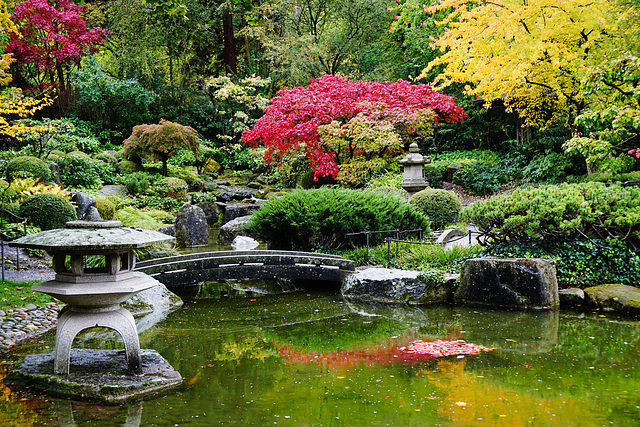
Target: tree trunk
pixel 229 50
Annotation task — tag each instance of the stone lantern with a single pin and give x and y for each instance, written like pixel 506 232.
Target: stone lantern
pixel 94 294
pixel 413 164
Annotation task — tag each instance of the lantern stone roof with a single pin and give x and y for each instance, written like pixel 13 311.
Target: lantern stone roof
pixel 83 236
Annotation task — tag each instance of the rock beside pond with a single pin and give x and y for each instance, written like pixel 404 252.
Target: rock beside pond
pixel 571 296
pixel 244 243
pixel 508 283
pixel 395 286
pixel 234 228
pixel 212 211
pixel 623 298
pixel 191 226
pixel 233 211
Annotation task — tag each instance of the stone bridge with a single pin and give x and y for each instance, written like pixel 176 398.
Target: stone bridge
pixel 190 269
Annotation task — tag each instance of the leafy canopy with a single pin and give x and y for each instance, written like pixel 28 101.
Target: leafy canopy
pixel 335 121
pixel 52 36
pixel 533 55
pixel 161 141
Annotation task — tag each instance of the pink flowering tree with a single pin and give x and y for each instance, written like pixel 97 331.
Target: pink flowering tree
pixel 349 130
pixel 52 36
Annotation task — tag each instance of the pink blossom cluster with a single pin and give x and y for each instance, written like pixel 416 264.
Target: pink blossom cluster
pixel 51 34
pixel 635 152
pixel 291 121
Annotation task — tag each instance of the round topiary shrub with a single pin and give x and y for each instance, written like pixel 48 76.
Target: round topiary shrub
pixel 106 158
pixel 106 208
pixel 127 166
pixel 48 211
pixel 27 167
pixel 439 205
pixel 176 188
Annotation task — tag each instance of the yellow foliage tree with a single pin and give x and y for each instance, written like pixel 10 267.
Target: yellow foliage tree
pixel 531 54
pixel 12 100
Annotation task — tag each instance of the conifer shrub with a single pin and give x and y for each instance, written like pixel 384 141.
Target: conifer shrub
pixel 27 167
pixel 560 213
pixel 106 208
pixel 441 206
pixel 320 218
pixel 47 211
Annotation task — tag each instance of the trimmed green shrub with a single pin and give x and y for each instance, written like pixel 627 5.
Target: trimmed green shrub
pixel 149 219
pixel 79 170
pixel 47 211
pixel 560 213
pixel 106 208
pixel 439 205
pixel 321 218
pixel 106 158
pixel 175 188
pixel 27 167
pixel 126 167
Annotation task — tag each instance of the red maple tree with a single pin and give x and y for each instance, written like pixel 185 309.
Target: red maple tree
pixel 52 35
pixel 296 117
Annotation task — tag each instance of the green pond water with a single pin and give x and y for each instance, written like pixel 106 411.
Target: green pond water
pixel 314 359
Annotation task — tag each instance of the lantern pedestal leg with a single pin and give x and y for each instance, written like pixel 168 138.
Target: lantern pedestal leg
pixel 73 322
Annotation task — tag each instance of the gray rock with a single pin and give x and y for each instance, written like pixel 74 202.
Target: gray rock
pixel 113 190
pixel 169 230
pixel 571 296
pixel 244 243
pixel 623 298
pixel 86 209
pixel 191 226
pixel 55 171
pixel 233 192
pixel 234 211
pixel 234 228
pixel 508 282
pixel 212 212
pixel 394 286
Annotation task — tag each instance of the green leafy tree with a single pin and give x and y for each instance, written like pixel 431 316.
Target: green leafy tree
pixel 161 141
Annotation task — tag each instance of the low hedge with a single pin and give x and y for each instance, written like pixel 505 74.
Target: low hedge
pixel 320 218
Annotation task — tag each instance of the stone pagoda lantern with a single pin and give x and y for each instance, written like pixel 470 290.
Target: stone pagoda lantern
pixel 413 164
pixel 94 294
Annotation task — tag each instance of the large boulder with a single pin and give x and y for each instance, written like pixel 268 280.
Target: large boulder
pixel 238 210
pixel 212 211
pixel 395 286
pixel 191 226
pixel 234 228
pixel 623 298
pixel 508 282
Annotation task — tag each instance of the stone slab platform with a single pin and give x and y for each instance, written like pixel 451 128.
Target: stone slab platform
pixel 99 375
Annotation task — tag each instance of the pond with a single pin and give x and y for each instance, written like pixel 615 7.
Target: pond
pixel 312 358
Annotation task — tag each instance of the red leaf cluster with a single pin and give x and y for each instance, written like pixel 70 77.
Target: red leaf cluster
pixel 291 121
pixel 51 34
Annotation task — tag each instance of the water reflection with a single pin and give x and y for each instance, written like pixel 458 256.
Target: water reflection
pixel 314 359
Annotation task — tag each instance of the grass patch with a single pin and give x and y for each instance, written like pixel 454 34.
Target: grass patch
pixel 19 294
pixel 416 257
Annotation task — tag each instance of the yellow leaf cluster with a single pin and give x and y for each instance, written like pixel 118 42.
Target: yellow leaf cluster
pixel 525 52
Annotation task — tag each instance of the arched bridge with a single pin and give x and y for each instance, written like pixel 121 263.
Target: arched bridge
pixel 184 270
